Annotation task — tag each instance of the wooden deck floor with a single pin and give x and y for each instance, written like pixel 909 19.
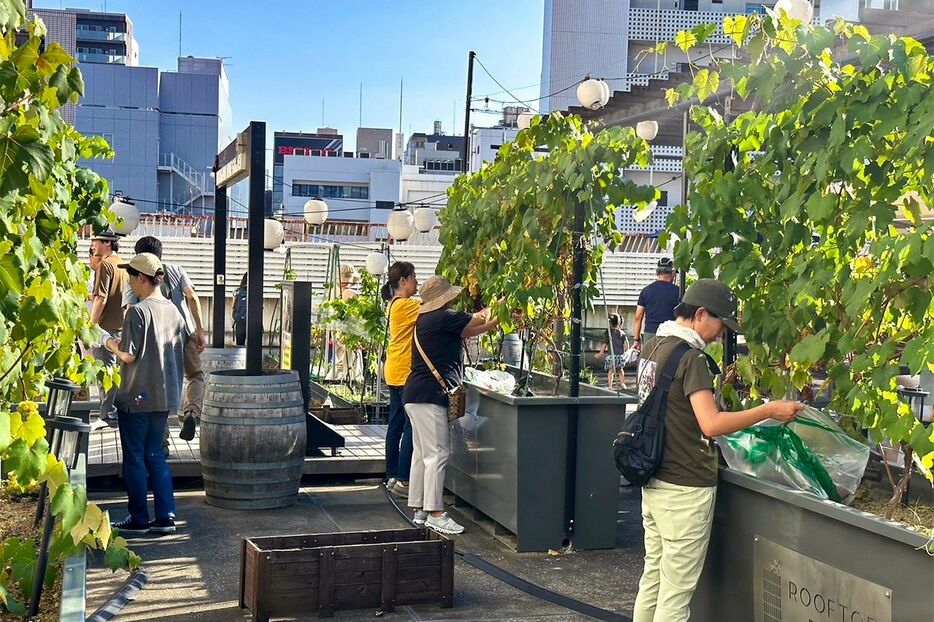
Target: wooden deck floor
pixel 364 453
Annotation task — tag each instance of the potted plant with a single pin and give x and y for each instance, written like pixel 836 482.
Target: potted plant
pixel 359 323
pixel 518 232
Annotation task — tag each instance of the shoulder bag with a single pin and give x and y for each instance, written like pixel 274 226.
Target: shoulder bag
pixel 457 396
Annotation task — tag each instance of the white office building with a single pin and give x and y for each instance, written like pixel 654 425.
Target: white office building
pixel 165 127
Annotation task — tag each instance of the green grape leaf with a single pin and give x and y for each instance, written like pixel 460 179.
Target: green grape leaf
pixel 809 350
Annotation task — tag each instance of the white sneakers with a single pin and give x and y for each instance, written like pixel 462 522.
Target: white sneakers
pixel 420 517
pixel 444 524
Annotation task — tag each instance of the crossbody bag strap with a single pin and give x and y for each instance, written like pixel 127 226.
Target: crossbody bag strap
pixel 431 367
pixel 671 366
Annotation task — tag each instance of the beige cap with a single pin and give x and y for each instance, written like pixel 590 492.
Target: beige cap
pixel 145 263
pixel 437 292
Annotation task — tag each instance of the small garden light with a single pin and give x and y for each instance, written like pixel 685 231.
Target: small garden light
pixel 58 405
pixel 914 397
pixel 66 444
pixel 61 393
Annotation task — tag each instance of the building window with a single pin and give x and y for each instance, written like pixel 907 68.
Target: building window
pixel 330 191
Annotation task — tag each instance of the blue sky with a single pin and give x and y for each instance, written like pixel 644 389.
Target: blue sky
pixel 286 56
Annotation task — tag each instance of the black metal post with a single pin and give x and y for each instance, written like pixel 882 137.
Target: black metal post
pixel 729 348
pixel 257 214
pixel 465 153
pixel 219 319
pixel 300 331
pixel 570 484
pixel 683 270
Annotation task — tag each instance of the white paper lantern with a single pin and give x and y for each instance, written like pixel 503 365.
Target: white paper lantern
pixel 425 219
pixel 376 263
pixel 641 215
pixel 273 234
pixel 127 216
pixel 796 9
pixel 647 130
pixel 524 120
pixel 401 224
pixel 593 94
pixel 316 211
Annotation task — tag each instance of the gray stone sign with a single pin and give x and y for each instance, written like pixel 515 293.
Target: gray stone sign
pixel 791 587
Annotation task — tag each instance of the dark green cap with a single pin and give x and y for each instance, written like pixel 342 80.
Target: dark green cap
pixel 717 298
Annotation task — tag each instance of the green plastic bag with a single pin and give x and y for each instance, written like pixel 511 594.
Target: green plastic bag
pixel 811 454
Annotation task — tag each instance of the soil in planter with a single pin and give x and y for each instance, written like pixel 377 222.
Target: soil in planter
pixel 874 498
pixel 16 519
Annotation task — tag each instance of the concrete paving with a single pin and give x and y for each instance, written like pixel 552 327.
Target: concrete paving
pixel 194 574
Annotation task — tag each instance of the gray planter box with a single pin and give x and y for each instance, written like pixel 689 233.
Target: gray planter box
pixel 779 555
pixel 509 460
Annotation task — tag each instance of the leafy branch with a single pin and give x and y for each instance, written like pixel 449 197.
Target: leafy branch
pixel 818 227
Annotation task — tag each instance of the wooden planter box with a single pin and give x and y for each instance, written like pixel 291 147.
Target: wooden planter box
pixel 339 416
pixel 295 575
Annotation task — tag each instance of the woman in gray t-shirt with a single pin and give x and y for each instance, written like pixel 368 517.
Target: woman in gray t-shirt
pixel 151 354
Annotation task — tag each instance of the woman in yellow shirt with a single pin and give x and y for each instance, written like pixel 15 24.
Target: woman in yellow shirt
pixel 399 291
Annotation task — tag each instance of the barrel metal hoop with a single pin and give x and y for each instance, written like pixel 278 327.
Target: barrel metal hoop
pixel 275 421
pixel 240 378
pixel 253 405
pixel 252 466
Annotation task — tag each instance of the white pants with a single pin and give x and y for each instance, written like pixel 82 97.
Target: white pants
pixel 431 445
pixel 677 521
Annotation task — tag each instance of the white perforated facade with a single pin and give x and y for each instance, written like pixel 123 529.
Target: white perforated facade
pixel 581 38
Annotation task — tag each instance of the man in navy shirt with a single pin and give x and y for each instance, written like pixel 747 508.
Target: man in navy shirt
pixel 656 303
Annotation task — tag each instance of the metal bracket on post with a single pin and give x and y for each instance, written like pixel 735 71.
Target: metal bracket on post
pixel 219 312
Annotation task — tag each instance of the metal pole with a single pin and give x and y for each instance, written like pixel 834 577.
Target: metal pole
pixel 218 328
pixel 466 150
pixel 254 308
pixel 570 469
pixel 682 273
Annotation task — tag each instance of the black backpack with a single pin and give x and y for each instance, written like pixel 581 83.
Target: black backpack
pixel 638 447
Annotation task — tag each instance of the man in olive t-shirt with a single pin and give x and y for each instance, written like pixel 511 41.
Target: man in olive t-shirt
pixel 678 502
pixel 107 310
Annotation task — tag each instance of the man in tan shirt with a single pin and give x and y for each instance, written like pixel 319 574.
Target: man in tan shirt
pixel 107 309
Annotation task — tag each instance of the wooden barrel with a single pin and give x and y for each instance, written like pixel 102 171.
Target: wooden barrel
pixel 217 359
pixel 252 439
